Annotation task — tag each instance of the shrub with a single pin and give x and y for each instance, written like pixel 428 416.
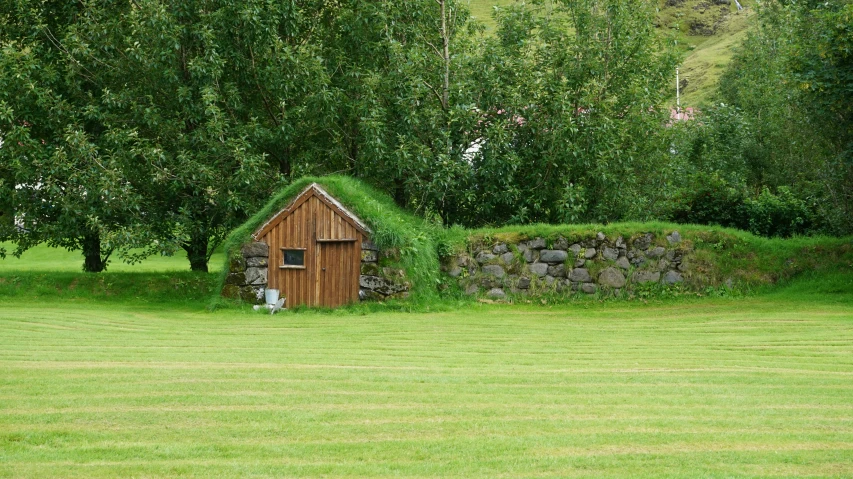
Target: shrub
pixel 781 214
pixel 714 202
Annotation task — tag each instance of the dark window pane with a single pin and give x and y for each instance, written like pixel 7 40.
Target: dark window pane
pixel 294 257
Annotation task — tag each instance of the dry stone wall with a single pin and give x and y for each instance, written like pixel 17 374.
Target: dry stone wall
pixel 601 264
pixel 379 280
pixel 248 271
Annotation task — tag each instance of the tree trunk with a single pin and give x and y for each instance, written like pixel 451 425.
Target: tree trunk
pixel 93 261
pixel 196 249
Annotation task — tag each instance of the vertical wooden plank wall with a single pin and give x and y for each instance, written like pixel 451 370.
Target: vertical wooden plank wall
pixel 329 242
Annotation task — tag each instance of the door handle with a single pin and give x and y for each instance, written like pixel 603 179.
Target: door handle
pixel 324 269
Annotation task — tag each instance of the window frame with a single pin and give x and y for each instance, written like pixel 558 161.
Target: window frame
pixel 285 251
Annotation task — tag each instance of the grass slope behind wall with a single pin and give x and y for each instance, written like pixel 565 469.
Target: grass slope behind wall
pixel 415 238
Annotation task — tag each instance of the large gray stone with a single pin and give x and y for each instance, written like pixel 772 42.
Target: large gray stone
pixel 472 289
pixel 588 288
pixel 575 248
pixel 561 244
pixel 536 243
pixel 523 283
pixel 610 254
pixel 255 249
pixel 549 280
pixel 672 277
pixel 600 236
pixel 580 275
pixel 623 263
pixel 644 241
pixel 455 272
pixel 557 271
pixel 611 277
pixel 589 253
pixel 529 255
pixel 483 257
pixel 371 282
pixel 369 245
pixel 494 270
pixel 674 238
pixel 369 256
pixel 553 256
pixel 257 262
pixel 256 276
pixel 539 269
pixel 496 293
pixel 646 277
pixel 580 262
pixel 382 285
pixel 620 243
pixel 507 258
pixel 500 248
pixel 656 252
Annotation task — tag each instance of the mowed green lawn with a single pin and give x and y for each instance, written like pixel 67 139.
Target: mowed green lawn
pixel 714 388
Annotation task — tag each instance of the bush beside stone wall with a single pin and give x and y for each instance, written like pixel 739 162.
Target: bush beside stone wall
pixel 596 264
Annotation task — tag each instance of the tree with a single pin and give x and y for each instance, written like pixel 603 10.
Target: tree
pixel 57 172
pixel 572 114
pixel 204 99
pixel 788 92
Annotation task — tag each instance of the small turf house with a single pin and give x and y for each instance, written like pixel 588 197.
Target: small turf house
pixel 314 250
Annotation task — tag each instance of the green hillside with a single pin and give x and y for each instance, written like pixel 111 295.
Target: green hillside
pixel 706 31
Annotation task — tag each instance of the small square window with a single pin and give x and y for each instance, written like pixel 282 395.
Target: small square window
pixel 293 257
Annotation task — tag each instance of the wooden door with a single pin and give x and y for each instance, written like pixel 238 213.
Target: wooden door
pixel 338 256
pixel 340 264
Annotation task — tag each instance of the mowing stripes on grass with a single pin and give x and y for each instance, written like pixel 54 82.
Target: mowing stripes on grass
pixel 724 388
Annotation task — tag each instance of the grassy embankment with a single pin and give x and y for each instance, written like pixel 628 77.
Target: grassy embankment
pixel 44 275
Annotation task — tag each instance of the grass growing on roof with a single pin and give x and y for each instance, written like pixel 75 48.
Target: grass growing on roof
pixel 416 239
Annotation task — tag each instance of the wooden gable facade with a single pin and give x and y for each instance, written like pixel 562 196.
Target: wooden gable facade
pixel 314 250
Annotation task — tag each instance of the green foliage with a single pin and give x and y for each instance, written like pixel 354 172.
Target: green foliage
pixel 150 124
pixel 774 131
pixel 713 201
pixel 57 172
pixel 568 133
pixel 781 214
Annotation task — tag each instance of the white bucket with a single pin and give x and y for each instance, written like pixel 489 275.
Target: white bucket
pixel 271 296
